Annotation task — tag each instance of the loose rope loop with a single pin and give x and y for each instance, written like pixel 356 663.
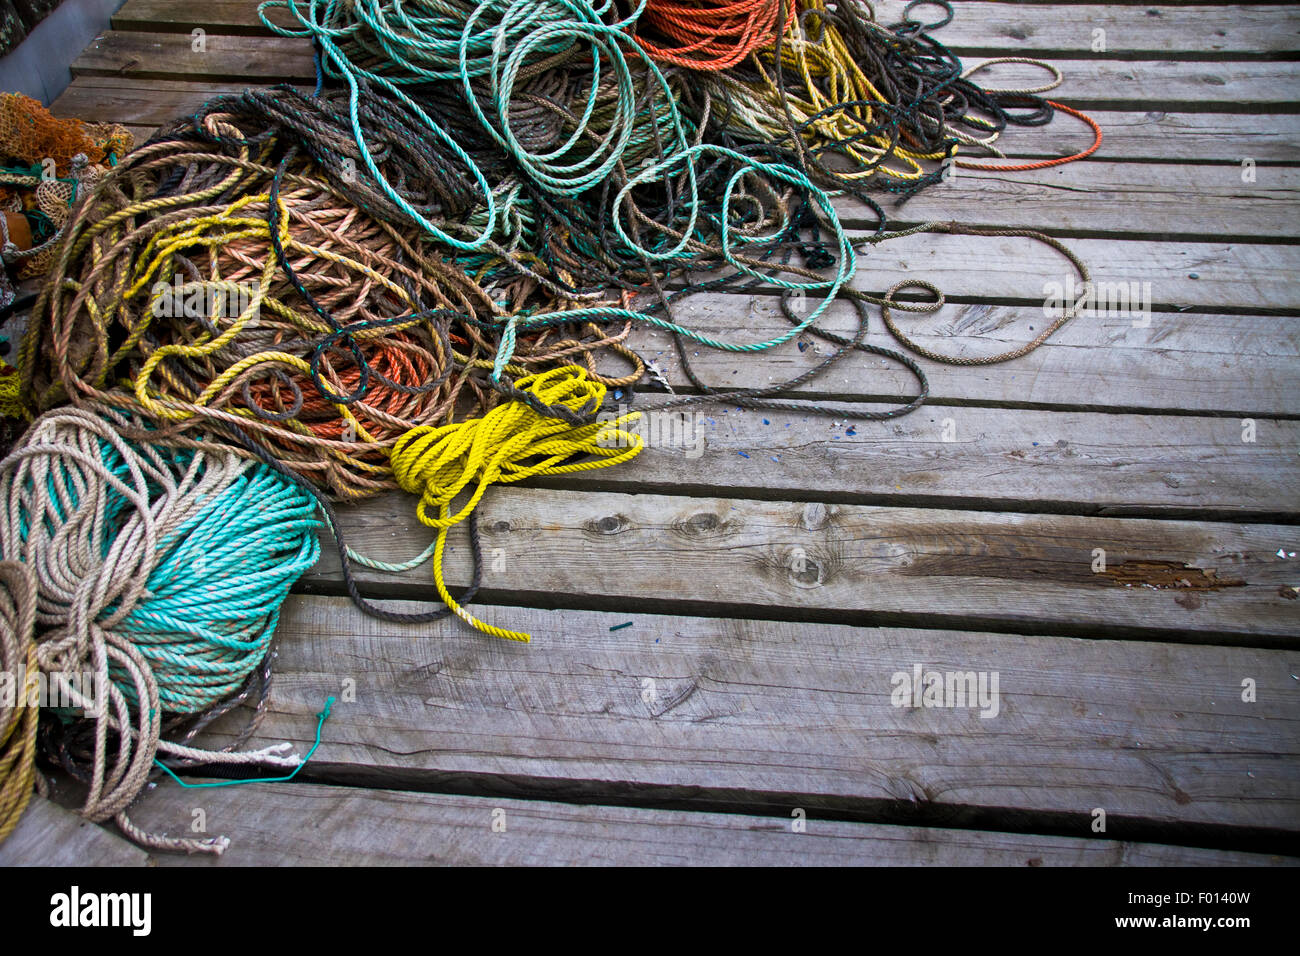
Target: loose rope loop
pixel 510 443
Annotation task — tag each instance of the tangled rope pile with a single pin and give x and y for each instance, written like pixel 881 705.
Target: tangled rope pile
pixel 157 576
pixel 44 163
pixel 424 275
pixel 510 443
pixel 262 357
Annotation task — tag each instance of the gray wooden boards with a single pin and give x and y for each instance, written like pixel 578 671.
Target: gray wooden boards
pixel 1133 32
pixel 49 835
pixel 858 564
pixel 297 825
pixel 698 712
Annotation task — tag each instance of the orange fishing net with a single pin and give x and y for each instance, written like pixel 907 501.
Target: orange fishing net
pixel 29 133
pixel 30 138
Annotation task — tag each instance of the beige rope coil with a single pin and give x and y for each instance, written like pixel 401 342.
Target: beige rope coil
pixel 87 577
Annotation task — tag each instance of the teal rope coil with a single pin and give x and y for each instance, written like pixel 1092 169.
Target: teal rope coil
pixel 215 594
pixel 322 31
pixel 559 170
pixel 220 566
pixel 160 574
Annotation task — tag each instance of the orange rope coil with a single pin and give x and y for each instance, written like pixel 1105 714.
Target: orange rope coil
pixel 711 35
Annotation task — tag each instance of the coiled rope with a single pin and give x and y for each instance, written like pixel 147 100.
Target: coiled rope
pixel 710 35
pixel 159 576
pixel 512 442
pixel 19 693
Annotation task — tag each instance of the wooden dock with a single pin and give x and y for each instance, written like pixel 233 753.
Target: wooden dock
pixel 774 584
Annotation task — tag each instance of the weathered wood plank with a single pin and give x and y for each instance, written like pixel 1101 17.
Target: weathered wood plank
pixel 1095 84
pixel 1145 134
pixel 1138 200
pixel 1172 85
pixel 999 459
pixel 1242 365
pixel 780 715
pixel 300 825
pixel 49 835
pixel 1158 135
pixel 1188 32
pixel 136 102
pixel 214 16
pixel 146 55
pixel 1203 277
pixel 980 28
pixel 858 564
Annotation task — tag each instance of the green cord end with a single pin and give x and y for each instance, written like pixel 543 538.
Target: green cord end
pixel 320 722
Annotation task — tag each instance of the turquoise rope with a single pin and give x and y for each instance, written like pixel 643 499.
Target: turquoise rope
pixel 215 593
pixel 846 263
pixel 581 173
pixel 490 43
pixel 343 67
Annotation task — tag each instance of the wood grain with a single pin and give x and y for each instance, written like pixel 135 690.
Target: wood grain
pixel 857 564
pixel 1095 84
pixel 701 712
pixel 1133 200
pixel 1183 362
pixel 165 57
pixel 49 835
pixel 991 458
pixel 980 28
pixel 299 825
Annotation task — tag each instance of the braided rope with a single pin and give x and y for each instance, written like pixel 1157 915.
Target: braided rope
pixel 18 687
pixel 512 442
pixel 160 575
pixel 713 35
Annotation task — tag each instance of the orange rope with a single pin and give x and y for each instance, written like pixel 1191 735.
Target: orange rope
pixel 1046 163
pixel 711 35
pixel 398 359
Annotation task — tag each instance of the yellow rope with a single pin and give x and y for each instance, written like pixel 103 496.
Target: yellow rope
pixel 830 76
pixel 509 443
pixel 18 716
pixel 10 405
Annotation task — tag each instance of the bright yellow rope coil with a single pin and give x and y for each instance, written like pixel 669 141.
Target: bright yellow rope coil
pixel 509 443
